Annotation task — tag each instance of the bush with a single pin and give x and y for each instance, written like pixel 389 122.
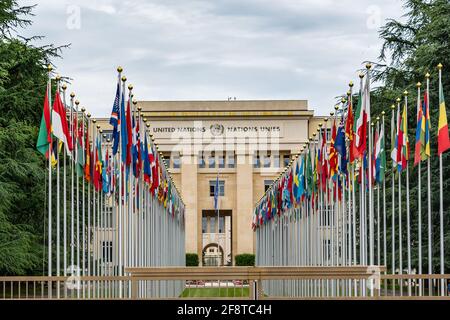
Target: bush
pixel 245 260
pixel 191 260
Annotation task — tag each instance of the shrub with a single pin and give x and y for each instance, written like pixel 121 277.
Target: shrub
pixel 245 260
pixel 191 260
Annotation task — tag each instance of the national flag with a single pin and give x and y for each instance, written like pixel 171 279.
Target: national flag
pixel 360 127
pixel 146 156
pixel 426 153
pixel 394 137
pixel 130 134
pixel 420 134
pixel 443 137
pixel 45 136
pixel 403 143
pixel 350 134
pixel 380 156
pixel 60 129
pixel 79 154
pixel 115 119
pixel 333 154
pixel 87 165
pixel 123 129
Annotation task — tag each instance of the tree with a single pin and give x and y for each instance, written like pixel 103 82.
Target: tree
pixel 410 50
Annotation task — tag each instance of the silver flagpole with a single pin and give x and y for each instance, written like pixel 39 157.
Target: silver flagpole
pixel 384 205
pixel 430 245
pixel 369 157
pixel 419 196
pixel 64 87
pixel 393 130
pixel 58 205
pixel 408 218
pixel 400 245
pixel 121 187
pixel 94 209
pixel 49 88
pixel 88 229
pixel 72 197
pixel 83 210
pixel 441 202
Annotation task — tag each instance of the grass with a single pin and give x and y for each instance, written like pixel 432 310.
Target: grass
pixel 215 292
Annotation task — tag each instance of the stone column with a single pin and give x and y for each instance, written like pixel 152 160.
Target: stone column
pixel 242 235
pixel 189 193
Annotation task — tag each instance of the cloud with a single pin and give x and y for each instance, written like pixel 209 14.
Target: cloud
pixel 198 49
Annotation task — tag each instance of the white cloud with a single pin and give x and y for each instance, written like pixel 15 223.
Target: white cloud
pixel 199 49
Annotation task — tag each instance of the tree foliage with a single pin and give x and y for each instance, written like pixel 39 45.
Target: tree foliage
pixel 410 50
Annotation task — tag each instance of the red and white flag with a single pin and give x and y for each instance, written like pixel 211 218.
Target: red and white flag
pixel 60 127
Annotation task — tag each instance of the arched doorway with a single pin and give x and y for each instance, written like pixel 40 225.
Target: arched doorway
pixel 212 255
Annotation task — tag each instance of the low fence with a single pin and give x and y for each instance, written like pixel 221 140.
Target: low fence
pixel 358 282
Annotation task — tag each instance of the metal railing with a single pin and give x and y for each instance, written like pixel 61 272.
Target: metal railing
pixel 357 282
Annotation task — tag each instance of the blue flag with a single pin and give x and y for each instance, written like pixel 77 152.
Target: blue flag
pixel 123 129
pixel 114 120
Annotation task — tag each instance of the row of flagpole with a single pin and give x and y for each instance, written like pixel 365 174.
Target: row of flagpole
pixel 123 208
pixel 329 206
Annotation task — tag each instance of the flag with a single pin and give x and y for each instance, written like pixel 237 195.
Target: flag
pixel 216 194
pixel 380 156
pixel 60 128
pixel 309 173
pixel 115 119
pixel 394 137
pixel 360 127
pixel 350 134
pixel 87 165
pixel 130 135
pixel 123 129
pixel 402 142
pixel 45 136
pixel 147 168
pixel 333 154
pixel 420 134
pixel 426 153
pixel 79 157
pixel 443 137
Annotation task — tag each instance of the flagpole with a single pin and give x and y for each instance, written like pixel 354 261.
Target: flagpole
pixel 83 204
pixel 430 246
pixel 419 196
pixel 384 203
pixel 87 148
pixel 72 202
pixel 393 196
pixel 371 204
pixel 49 222
pixel 58 204
pixel 64 87
pixel 441 205
pixel 400 209
pixel 408 218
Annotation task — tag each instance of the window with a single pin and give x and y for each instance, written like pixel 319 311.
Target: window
pixel 267 184
pixel 212 225
pixel 266 161
pixel 176 161
pixel 325 219
pixel 201 160
pixel 256 161
pixel 107 251
pixel 221 161
pixel 204 224
pixel 212 160
pixel 212 187
pixel 276 161
pixel 109 216
pixel 231 161
pixel 221 224
pixel 286 159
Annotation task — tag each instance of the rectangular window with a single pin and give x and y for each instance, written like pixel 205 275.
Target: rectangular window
pixel 267 184
pixel 212 188
pixel 286 159
pixel 266 161
pixel 212 225
pixel 109 217
pixel 201 160
pixel 176 161
pixel 212 160
pixel 107 251
pixel 276 161
pixel 231 161
pixel 221 161
pixel 204 224
pixel 221 224
pixel 256 161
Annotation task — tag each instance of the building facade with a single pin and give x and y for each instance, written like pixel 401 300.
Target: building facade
pixel 236 147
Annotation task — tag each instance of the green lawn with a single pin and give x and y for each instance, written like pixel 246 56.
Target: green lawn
pixel 215 292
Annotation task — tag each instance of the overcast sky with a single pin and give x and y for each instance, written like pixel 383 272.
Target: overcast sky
pixel 213 49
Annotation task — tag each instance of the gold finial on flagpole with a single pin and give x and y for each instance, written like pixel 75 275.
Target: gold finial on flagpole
pixel 405 93
pixel 94 121
pixel 336 107
pixel 383 113
pixel 98 126
pixel 326 120
pixel 88 115
pixel 320 125
pixel 119 69
pixel 331 113
pixel 361 75
pixel 418 84
pixel 348 93
pixel 64 87
pixel 139 108
pixel 49 68
pixel 130 87
pixel 368 66
pixel 378 118
pixel 398 100
pixel 427 75
pixel 77 102
pixel 58 77
pixel 351 84
pixel 124 79
pixel 72 95
pixel 440 66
